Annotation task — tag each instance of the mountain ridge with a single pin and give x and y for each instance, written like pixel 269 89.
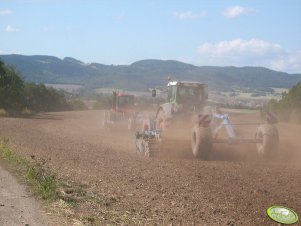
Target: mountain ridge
pixel 143 74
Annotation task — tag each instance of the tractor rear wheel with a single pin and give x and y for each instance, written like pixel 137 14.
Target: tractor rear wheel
pixel 201 142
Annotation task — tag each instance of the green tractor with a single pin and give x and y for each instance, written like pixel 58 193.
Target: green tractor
pixel 185 110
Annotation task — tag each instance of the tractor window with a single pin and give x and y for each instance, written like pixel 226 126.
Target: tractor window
pixel 189 94
pixel 173 93
pixel 169 92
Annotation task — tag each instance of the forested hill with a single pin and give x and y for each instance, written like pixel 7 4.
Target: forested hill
pixel 143 74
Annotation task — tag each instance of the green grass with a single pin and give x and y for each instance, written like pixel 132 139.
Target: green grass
pixel 42 182
pixel 7 154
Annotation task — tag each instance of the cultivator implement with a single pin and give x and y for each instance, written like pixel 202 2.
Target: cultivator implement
pixel 149 142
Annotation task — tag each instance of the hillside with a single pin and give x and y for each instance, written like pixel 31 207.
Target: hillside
pixel 143 74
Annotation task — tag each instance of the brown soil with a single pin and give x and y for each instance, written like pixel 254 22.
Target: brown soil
pixel 124 188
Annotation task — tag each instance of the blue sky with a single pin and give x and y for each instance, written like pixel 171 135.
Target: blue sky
pixel 204 32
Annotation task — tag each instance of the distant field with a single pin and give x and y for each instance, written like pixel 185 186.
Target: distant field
pixel 65 87
pixel 110 90
pixel 280 90
pixel 248 95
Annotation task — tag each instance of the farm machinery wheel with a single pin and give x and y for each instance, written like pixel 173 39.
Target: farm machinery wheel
pixel 105 123
pixel 109 120
pixel 161 121
pixel 268 147
pixel 201 142
pixel 131 124
pixel 140 145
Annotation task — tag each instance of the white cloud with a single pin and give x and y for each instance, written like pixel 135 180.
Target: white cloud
pixel 237 11
pixel 239 46
pixel 188 15
pixel 11 29
pixel 288 62
pixel 5 12
pixel 253 52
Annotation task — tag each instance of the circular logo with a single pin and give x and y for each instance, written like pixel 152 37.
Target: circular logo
pixel 282 214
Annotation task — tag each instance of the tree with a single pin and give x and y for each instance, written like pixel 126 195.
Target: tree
pixel 40 98
pixel 2 68
pixel 16 95
pixel 293 98
pixel 11 89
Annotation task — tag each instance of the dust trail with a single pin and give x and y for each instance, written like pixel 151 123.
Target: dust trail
pixel 290 143
pixel 178 145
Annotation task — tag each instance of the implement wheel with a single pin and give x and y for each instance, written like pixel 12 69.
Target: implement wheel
pixel 268 147
pixel 140 147
pixel 201 142
pixel 131 124
pixel 161 121
pixel 105 124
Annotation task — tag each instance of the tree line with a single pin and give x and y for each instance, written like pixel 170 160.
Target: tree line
pixel 289 106
pixel 19 97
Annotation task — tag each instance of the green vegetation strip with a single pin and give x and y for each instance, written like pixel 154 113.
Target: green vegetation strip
pixel 42 182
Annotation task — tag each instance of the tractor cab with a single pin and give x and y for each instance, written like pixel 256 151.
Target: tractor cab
pixel 123 102
pixel 187 93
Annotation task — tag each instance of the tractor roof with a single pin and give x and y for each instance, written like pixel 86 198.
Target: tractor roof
pixel 173 83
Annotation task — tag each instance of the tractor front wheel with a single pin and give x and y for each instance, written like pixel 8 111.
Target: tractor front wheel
pixel 201 142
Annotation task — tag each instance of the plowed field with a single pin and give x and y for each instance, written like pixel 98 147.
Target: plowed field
pixel 125 188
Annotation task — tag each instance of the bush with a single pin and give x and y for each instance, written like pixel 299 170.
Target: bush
pixel 289 107
pixel 40 98
pixel 76 104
